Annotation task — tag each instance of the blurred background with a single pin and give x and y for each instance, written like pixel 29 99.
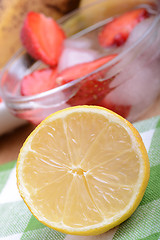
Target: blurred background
pixel 13 12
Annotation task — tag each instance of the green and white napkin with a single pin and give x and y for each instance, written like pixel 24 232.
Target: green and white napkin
pixel 17 222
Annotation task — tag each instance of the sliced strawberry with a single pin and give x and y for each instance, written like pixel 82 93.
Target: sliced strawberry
pixel 117 31
pixel 90 89
pixel 38 82
pixel 80 70
pixel 42 37
pixel 122 110
pixel 0 99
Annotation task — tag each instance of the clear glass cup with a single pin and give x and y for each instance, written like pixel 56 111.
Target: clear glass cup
pixel 132 77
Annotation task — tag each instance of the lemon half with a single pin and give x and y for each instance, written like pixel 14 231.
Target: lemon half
pixel 83 170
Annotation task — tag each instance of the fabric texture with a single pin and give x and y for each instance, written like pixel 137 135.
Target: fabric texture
pixel 17 222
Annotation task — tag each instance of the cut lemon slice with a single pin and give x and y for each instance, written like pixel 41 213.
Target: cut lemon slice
pixel 83 170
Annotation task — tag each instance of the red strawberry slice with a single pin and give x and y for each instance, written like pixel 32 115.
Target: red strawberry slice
pixel 122 110
pixel 90 89
pixel 0 99
pixel 80 70
pixel 42 37
pixel 39 81
pixel 117 31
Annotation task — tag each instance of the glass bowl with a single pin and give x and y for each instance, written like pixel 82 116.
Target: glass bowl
pixel 132 77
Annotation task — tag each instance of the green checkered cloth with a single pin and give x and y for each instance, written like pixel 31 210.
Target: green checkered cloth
pixel 17 222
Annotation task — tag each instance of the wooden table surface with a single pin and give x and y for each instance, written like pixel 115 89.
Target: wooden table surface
pixel 11 143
